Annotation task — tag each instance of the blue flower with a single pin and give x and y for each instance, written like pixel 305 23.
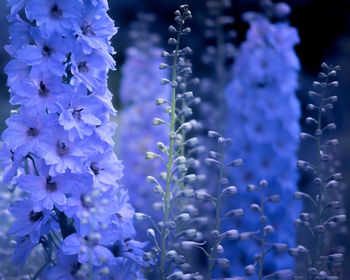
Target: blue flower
pixel 16 6
pixel 62 154
pixel 105 168
pixel 67 268
pixel 79 118
pixel 46 190
pixel 40 94
pixel 263 123
pixel 58 148
pixel 19 36
pixel 24 246
pixel 54 15
pixel 88 248
pixel 93 30
pixel 47 55
pixel 91 69
pixel 29 222
pixel 26 132
pixel 16 70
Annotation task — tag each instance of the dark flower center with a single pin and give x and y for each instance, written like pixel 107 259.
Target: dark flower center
pixel 82 67
pixel 32 132
pixel 51 186
pixel 95 168
pixel 75 268
pixel 117 249
pixel 56 11
pixel 43 90
pixel 87 29
pixel 35 216
pixel 62 149
pixel 47 51
pixel 119 216
pixel 86 203
pixel 77 113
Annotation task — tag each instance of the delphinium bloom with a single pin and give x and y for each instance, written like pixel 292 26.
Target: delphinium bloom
pixel 324 214
pixel 58 148
pixel 139 90
pixel 263 123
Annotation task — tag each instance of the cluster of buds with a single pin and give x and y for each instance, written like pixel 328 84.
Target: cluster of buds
pixel 324 210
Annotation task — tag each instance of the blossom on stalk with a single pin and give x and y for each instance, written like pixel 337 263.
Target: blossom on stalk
pixel 263 121
pixel 58 144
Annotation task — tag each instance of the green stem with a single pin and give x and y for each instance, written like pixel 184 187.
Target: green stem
pixel 218 217
pixel 167 195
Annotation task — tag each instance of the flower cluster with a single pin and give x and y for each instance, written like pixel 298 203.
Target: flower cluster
pixel 139 89
pixel 263 120
pixel 58 146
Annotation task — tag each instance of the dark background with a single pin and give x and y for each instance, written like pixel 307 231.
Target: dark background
pixel 324 29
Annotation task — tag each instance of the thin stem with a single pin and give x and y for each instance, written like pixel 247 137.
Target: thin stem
pixel 167 196
pixel 319 202
pixel 262 241
pixel 217 214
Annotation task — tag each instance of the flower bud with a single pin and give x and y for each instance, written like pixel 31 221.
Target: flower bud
pixel 151 233
pixel 140 216
pixel 164 81
pixel 268 229
pixel 184 217
pixel 172 41
pixel 150 155
pixel 249 270
pixel 189 245
pixel 236 163
pixel 280 247
pixel 231 190
pixel 231 234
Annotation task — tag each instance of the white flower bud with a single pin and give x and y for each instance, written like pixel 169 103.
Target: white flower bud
pixel 151 155
pixel 231 190
pixel 189 245
pixel 140 216
pixel 249 270
pixel 151 233
pixel 231 234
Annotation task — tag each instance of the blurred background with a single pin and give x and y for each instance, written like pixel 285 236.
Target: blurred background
pixel 324 29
